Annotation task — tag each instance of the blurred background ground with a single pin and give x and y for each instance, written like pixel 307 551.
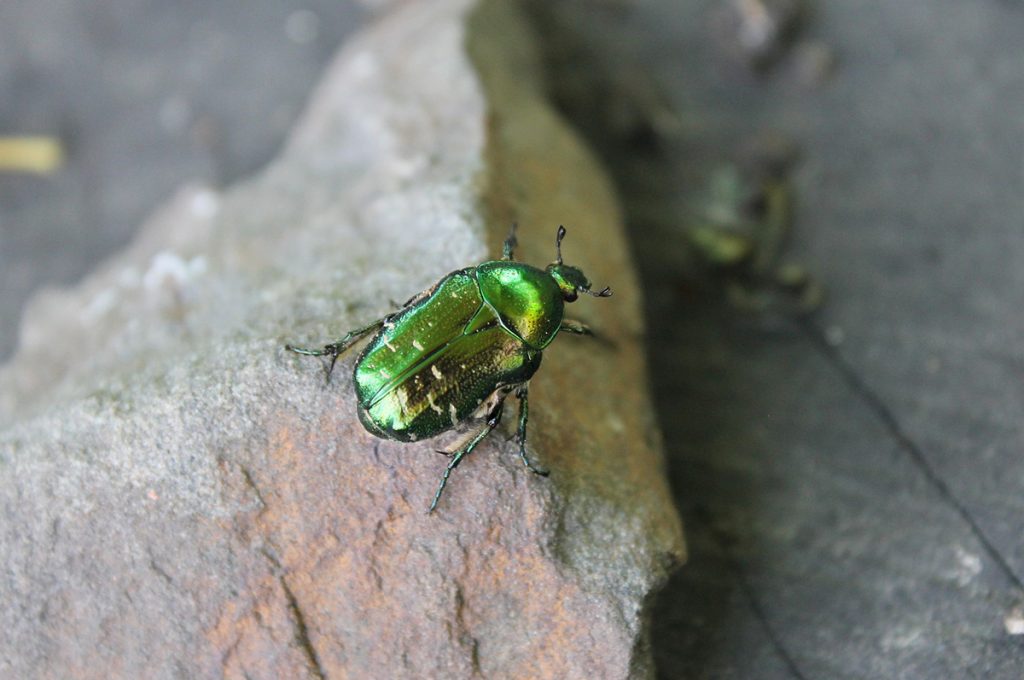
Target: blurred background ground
pixel 145 95
pixel 851 483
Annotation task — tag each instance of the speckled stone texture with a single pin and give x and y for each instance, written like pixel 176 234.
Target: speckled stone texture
pixel 181 498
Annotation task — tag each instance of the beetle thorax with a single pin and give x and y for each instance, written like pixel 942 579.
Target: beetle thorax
pixel 526 299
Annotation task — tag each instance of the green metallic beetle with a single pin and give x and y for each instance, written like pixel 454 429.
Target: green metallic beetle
pixel 457 350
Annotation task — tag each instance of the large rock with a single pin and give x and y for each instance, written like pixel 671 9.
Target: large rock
pixel 182 498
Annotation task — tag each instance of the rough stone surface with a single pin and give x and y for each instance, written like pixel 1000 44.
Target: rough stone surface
pixel 182 498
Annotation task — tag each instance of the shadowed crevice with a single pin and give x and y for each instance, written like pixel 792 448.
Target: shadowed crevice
pixel 298 618
pixel 251 483
pixel 301 630
pixel 754 604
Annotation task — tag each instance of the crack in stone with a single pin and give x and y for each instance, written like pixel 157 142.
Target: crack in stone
pixel 276 563
pixel 298 618
pixel 750 595
pixel 464 634
pixel 301 630
pixel 252 485
pixel 888 419
pixel 159 571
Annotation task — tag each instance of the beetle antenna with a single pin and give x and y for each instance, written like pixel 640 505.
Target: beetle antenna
pixel 508 251
pixel 558 243
pixel 605 292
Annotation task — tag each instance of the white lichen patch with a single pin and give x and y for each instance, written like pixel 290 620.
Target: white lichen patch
pixel 1014 621
pixel 205 204
pixel 902 637
pixel 100 305
pixel 966 567
pixel 169 273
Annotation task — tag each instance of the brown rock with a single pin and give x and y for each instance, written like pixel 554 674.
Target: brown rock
pixel 181 498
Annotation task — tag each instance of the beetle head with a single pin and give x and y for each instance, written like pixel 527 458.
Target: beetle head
pixel 571 281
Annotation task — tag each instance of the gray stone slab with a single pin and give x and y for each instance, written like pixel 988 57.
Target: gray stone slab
pixel 853 511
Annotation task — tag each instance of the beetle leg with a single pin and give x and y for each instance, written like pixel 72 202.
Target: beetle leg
pixel 507 252
pixel 335 349
pixel 493 418
pixel 580 328
pixel 524 414
pixel 576 327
